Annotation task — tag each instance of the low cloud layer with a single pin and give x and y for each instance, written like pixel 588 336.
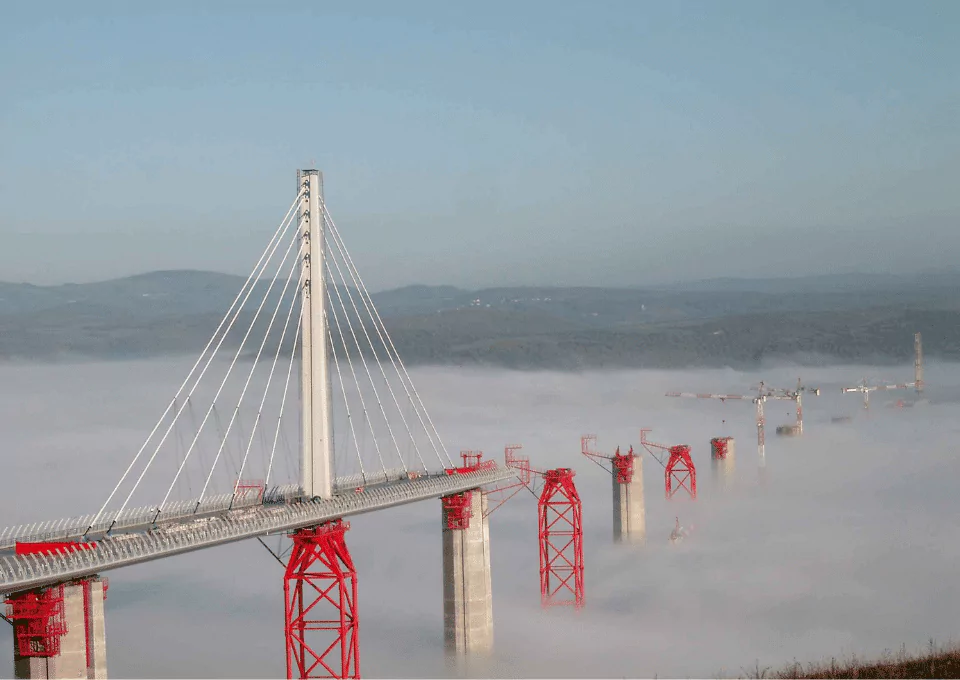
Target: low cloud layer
pixel 849 546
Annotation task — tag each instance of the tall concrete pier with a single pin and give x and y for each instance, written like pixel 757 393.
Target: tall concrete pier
pixel 722 459
pixel 629 511
pixel 467 587
pixel 83 643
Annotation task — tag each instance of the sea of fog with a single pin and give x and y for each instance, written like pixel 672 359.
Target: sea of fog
pixel 849 546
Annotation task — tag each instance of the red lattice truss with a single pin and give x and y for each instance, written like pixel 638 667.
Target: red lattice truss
pixel 561 541
pixel 680 474
pixel 320 603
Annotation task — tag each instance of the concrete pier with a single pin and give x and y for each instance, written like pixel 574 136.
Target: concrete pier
pixel 83 651
pixel 467 586
pixel 788 430
pixel 722 459
pixel 629 511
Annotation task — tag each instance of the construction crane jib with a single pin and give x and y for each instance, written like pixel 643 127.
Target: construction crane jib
pixel 917 383
pixel 763 394
pixel 866 389
pixel 797 396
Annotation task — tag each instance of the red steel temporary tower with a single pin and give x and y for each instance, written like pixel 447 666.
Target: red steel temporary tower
pixel 561 540
pixel 320 599
pixel 679 471
pixel 560 529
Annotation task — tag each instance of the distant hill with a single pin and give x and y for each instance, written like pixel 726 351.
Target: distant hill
pixel 724 322
pixel 948 277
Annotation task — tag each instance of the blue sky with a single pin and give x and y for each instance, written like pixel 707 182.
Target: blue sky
pixel 602 143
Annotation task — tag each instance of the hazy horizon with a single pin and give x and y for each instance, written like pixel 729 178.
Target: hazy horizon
pixel 848 546
pixel 745 276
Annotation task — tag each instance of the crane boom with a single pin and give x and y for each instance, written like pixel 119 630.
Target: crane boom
pixel 901 386
pixel 796 395
pixel 866 389
pixel 721 397
pixel 917 383
pixel 763 393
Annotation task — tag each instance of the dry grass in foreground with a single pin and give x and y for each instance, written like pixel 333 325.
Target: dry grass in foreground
pixel 935 662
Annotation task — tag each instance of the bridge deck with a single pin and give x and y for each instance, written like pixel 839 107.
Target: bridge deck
pixel 217 527
pixel 138 519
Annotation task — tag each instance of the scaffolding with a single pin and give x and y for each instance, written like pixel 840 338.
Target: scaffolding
pixel 38 622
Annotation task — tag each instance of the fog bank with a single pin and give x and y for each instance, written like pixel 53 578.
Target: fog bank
pixel 849 546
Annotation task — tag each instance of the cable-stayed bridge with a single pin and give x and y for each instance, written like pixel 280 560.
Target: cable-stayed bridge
pixel 298 413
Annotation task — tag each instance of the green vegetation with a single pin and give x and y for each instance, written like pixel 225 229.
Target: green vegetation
pixel 935 662
pixel 726 324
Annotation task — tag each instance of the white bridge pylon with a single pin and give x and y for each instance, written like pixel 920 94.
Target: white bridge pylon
pixel 231 427
pixel 220 465
pixel 316 400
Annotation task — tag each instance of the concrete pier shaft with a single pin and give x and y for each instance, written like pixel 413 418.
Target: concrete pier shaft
pixel 629 511
pixel 83 651
pixel 723 460
pixel 467 585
